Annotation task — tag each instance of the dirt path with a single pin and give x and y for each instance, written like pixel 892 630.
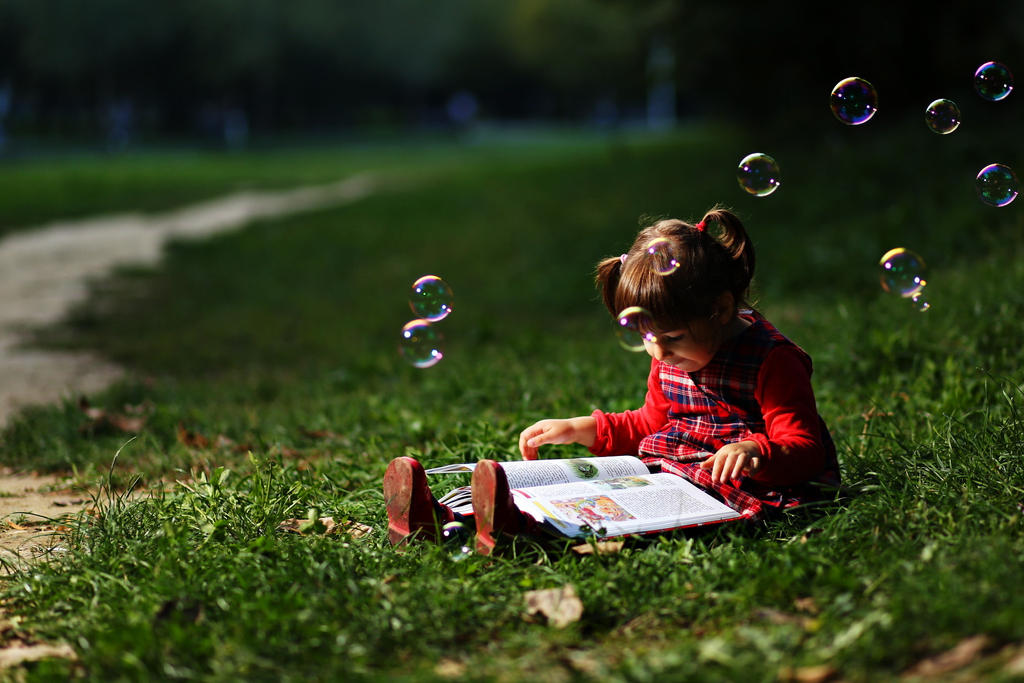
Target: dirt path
pixel 44 272
pixel 31 507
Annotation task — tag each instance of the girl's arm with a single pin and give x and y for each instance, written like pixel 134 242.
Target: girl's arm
pixel 791 450
pixel 602 433
pixel 579 430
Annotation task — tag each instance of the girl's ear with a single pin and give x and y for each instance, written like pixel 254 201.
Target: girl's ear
pixel 725 308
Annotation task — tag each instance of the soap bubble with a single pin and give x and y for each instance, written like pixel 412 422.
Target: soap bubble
pixel 993 81
pixel 901 272
pixel 421 343
pixel 921 303
pixel 659 251
pixel 854 101
pixel 455 533
pixel 431 298
pixel 758 174
pixel 457 536
pixel 996 184
pixel 633 327
pixel 942 116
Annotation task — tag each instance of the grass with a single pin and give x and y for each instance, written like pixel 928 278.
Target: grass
pixel 53 187
pixel 281 341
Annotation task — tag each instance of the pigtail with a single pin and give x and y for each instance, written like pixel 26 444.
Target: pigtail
pixel 707 258
pixel 734 239
pixel 607 276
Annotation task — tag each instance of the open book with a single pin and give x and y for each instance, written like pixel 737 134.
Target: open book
pixel 604 497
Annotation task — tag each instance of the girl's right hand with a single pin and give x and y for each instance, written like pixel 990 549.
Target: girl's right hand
pixel 573 430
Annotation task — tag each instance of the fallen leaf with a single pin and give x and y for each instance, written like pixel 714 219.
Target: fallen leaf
pixel 291 525
pixel 963 653
pixel 874 412
pixel 644 623
pixel 355 529
pixel 778 617
pixel 599 548
pixel 449 668
pixel 73 501
pixel 808 674
pixel 191 439
pixel 586 663
pixel 316 525
pixel 1015 665
pixel 87 409
pixel 319 433
pixel 321 525
pixel 125 423
pixel 324 526
pixel 18 654
pixel 100 420
pixel 138 409
pixel 806 605
pixel 560 606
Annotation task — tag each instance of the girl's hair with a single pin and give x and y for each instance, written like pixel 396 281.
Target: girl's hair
pixel 705 266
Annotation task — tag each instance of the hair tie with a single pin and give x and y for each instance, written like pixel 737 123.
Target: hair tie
pixel 622 259
pixel 700 226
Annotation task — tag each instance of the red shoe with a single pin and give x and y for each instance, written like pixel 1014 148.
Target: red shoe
pixel 494 510
pixel 411 507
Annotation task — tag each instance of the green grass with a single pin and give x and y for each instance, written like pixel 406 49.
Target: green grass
pixel 282 339
pixel 53 187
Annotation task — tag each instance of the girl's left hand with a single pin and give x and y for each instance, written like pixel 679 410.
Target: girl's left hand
pixel 732 460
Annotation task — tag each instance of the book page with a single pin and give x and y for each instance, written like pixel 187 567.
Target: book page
pixel 459 499
pixel 624 505
pixel 527 473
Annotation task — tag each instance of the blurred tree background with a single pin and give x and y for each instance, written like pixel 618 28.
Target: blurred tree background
pixel 120 71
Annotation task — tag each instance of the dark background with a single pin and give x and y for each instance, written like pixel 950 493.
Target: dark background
pixel 122 71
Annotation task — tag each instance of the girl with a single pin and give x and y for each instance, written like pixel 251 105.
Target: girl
pixel 729 401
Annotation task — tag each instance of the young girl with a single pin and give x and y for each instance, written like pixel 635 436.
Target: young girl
pixel 729 401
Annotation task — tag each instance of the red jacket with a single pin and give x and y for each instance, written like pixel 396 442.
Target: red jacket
pixel 757 388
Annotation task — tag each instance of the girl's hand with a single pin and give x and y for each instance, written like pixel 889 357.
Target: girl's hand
pixel 580 430
pixel 732 460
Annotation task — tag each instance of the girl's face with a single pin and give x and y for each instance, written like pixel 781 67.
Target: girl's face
pixel 688 349
pixel 692 347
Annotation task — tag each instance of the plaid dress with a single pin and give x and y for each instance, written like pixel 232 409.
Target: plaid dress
pixel 715 406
